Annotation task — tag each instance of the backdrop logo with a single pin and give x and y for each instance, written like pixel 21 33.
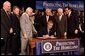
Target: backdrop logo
pixel 47 46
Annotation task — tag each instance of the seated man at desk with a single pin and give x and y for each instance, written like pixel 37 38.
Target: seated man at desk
pixel 47 31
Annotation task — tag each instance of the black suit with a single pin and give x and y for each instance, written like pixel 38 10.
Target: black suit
pixel 5 27
pixel 44 31
pixel 5 24
pixel 15 24
pixel 37 21
pixel 15 40
pixel 72 24
pixel 61 25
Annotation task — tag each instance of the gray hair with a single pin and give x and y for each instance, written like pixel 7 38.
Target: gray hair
pixel 28 9
pixel 6 3
pixel 47 9
pixel 60 9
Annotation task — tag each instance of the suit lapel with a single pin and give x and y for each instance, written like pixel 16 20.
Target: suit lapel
pixel 7 19
pixel 45 20
pixel 27 19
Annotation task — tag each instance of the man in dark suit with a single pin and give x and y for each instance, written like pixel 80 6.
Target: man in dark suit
pixel 81 27
pixel 72 22
pixel 5 23
pixel 45 18
pixel 47 31
pixel 15 40
pixel 61 23
pixel 37 20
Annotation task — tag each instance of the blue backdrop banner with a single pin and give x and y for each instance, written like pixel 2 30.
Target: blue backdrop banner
pixel 76 5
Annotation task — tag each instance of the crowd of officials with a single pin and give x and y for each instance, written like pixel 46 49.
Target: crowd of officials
pixel 18 29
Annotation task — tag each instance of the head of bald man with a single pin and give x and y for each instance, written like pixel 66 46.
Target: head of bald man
pixel 60 11
pixel 29 11
pixel 7 6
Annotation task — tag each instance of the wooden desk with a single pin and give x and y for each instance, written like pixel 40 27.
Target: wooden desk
pixel 34 40
pixel 33 43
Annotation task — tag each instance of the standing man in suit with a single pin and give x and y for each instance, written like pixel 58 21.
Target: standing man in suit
pixel 37 20
pixel 45 18
pixel 61 23
pixel 72 22
pixel 15 40
pixel 5 24
pixel 27 29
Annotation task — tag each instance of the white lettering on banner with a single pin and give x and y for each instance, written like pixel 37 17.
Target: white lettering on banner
pixel 64 43
pixel 60 45
pixel 56 48
pixel 64 47
pixel 53 5
pixel 68 47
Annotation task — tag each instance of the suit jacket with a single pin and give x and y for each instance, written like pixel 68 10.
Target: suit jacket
pixel 15 24
pixel 73 23
pixel 37 22
pixel 26 26
pixel 44 31
pixel 43 21
pixel 5 24
pixel 61 26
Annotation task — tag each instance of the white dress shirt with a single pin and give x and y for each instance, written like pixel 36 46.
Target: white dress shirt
pixel 60 17
pixel 47 18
